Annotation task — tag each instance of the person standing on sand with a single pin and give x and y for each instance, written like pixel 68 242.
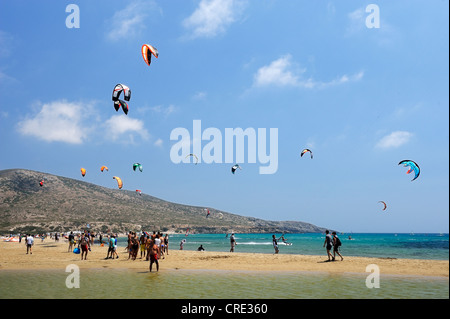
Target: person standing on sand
pixel 148 246
pixel 336 244
pixel 71 240
pixel 328 242
pixel 232 242
pixel 142 244
pixel 85 245
pixel 154 252
pixel 30 242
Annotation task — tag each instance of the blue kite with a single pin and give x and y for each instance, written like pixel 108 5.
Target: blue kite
pixel 413 167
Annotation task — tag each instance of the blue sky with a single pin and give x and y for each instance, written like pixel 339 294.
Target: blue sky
pixel 362 99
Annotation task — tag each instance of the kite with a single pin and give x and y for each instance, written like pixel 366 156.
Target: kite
pixel 118 103
pixel 138 166
pixel 119 182
pixel 118 89
pixel 413 167
pixel 147 51
pixel 139 192
pixel 207 212
pixel 195 156
pixel 41 183
pixel 385 206
pixel 234 168
pixel 306 151
pixel 103 168
pixel 83 172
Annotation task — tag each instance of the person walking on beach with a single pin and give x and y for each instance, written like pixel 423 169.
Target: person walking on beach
pixel 328 242
pixel 232 242
pixel 154 252
pixel 71 240
pixel 166 244
pixel 30 243
pixel 85 245
pixel 275 244
pixel 336 244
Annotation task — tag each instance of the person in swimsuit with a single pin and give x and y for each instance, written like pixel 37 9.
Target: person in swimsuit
pixel 154 251
pixel 85 245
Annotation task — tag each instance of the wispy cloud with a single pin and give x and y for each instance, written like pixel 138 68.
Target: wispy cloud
pixel 213 17
pixel 158 142
pixel 123 128
pixel 58 121
pixel 131 20
pixel 394 140
pixel 284 73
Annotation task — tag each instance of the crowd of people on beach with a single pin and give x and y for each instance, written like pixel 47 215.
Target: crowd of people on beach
pixel 153 247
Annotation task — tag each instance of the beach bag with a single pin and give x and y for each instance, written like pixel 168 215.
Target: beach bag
pixel 76 250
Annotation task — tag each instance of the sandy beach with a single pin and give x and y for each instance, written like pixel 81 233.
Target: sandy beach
pixel 52 255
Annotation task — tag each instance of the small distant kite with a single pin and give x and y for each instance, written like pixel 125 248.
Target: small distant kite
pixel 41 183
pixel 103 168
pixel 194 156
pixel 138 191
pixel 137 166
pixel 413 167
pixel 83 172
pixel 118 103
pixel 306 150
pixel 384 204
pixel 207 212
pixel 119 182
pixel 234 168
pixel 147 51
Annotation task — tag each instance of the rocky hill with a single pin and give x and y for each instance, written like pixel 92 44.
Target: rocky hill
pixel 64 204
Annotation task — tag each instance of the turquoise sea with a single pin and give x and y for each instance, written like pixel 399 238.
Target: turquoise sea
pixel 415 246
pixel 243 285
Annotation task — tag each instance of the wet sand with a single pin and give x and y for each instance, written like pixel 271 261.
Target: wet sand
pixel 52 255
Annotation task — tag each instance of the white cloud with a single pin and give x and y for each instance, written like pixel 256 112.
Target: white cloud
pixel 284 73
pixel 123 128
pixel 58 121
pixel 394 140
pixel 277 73
pixel 130 21
pixel 212 17
pixel 357 21
pixel 158 142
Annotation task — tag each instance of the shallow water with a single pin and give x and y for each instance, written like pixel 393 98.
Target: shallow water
pixel 209 284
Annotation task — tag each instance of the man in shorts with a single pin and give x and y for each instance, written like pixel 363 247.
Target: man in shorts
pixel 154 252
pixel 328 242
pixel 30 243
